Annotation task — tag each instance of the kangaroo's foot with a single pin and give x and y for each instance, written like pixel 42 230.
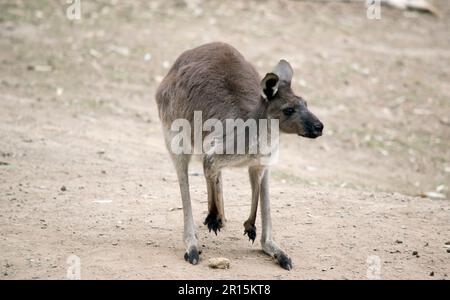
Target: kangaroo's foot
pixel 272 249
pixel 284 261
pixel 214 222
pixel 250 230
pixel 192 255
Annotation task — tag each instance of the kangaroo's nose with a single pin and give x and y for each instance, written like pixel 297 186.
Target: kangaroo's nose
pixel 318 126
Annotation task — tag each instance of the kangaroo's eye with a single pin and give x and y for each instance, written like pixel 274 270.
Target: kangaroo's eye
pixel 288 111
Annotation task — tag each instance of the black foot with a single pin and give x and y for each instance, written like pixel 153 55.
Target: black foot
pixel 250 230
pixel 192 256
pixel 213 223
pixel 251 233
pixel 284 261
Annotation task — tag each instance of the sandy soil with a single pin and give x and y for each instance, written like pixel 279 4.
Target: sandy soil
pixel 84 170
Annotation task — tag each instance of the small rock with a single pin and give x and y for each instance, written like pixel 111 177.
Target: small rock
pixel 40 68
pixel 302 83
pixel 63 188
pixel 219 263
pixel 441 188
pixel 415 253
pixel 398 242
pixel 435 195
pixel 59 91
pixel 95 53
pixel 153 244
pixel 124 51
pixel 432 274
pixel 147 56
pixel 102 201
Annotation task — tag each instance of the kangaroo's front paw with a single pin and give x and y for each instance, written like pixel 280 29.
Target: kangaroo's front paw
pixel 284 261
pixel 250 231
pixel 192 255
pixel 213 222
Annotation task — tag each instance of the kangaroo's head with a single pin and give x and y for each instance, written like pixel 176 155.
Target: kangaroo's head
pixel 282 104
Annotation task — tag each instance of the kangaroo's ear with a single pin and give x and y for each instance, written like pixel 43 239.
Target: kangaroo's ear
pixel 269 86
pixel 284 71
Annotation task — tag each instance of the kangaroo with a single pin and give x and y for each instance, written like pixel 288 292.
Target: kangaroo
pixel 216 80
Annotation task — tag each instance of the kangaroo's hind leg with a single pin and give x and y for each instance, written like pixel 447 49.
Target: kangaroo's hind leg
pixel 181 163
pixel 268 244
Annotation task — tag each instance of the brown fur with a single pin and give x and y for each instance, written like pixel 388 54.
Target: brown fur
pixel 213 78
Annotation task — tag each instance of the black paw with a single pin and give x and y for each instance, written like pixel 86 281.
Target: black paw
pixel 192 256
pixel 251 233
pixel 213 223
pixel 284 261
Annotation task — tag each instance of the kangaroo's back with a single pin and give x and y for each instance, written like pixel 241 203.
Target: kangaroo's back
pixel 213 78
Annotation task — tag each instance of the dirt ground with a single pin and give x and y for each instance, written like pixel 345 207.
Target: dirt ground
pixel 84 171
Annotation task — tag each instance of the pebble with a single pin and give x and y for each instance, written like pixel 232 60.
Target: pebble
pixel 219 263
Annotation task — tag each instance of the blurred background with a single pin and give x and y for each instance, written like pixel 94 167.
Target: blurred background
pixel 83 164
